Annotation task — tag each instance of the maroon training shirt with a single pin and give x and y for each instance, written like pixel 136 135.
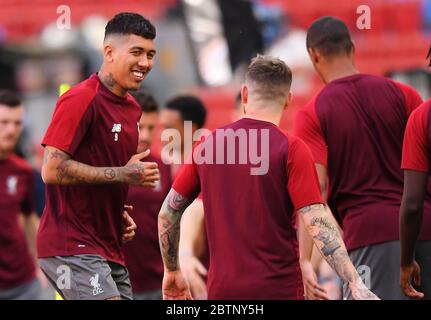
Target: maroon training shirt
pixel 16 195
pixel 143 258
pixel 250 218
pixel 417 154
pixel 98 128
pixel 355 128
pixel 417 140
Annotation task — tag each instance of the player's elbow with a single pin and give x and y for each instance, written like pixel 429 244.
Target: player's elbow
pixel 411 208
pixel 48 176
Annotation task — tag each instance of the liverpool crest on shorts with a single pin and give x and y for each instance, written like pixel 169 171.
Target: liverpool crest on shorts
pixel 94 281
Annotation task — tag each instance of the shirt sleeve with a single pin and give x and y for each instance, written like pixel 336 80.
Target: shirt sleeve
pixel 28 204
pixel 70 121
pixel 187 181
pixel 415 145
pixel 307 127
pixel 302 181
pixel 412 97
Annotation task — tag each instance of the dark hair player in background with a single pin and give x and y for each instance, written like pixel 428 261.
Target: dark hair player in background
pixel 193 249
pixel 89 162
pixel 177 110
pixel 143 258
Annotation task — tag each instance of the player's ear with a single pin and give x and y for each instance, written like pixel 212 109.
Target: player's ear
pixel 244 94
pixel 314 55
pixel 290 97
pixel 352 53
pixel 288 100
pixel 108 52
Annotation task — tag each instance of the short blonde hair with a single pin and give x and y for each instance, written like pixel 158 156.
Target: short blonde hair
pixel 270 77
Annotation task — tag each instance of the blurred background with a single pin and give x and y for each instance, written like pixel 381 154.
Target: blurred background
pixel 203 48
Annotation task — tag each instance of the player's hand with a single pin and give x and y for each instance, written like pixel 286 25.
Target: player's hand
pixel 139 173
pixel 407 275
pixel 194 273
pixel 174 286
pixel 312 289
pixel 129 226
pixel 361 292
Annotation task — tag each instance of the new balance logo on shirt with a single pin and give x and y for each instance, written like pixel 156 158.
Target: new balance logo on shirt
pixel 116 128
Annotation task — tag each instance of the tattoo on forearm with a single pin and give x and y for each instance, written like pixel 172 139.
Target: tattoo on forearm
pixel 109 174
pixel 69 171
pixel 309 208
pixel 362 292
pixel 169 228
pixel 329 242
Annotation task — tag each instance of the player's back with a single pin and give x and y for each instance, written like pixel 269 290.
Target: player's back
pixel 248 213
pixel 362 118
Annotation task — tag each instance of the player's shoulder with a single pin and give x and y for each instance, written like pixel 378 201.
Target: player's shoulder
pixel 294 140
pixel 309 107
pixel 422 110
pixel 134 106
pixel 365 79
pixel 83 93
pixel 306 113
pixel 131 99
pixel 20 163
pixel 402 86
pixel 352 82
pixel 297 146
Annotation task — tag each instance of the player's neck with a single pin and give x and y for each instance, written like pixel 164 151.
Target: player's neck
pixel 339 70
pixel 273 117
pixel 108 81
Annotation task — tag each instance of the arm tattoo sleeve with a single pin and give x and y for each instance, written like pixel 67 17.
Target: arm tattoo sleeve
pixel 169 228
pixel 69 171
pixel 329 242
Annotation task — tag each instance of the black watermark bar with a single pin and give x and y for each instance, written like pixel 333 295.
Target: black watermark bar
pixel 223 310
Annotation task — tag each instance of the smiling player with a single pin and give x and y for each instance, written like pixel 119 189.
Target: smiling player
pixel 92 136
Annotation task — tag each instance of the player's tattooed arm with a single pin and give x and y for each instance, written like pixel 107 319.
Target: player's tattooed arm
pixel 59 168
pixel 169 228
pixel 329 242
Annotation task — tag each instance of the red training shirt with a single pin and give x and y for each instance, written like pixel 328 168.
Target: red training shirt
pixel 98 128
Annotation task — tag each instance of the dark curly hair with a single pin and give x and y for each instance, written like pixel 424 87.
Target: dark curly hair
pixel 190 107
pixel 126 23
